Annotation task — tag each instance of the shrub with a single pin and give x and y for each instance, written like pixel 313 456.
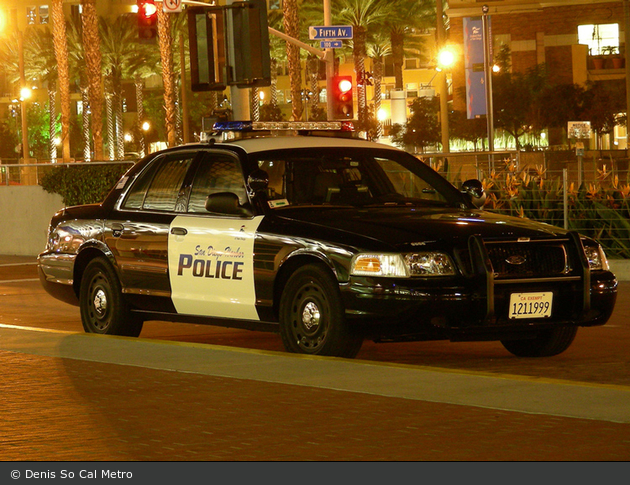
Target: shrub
pixel 82 184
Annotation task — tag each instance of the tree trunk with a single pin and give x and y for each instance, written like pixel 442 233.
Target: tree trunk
pixel 85 117
pixel 274 83
pixel 398 57
pixel 166 56
pixel 109 108
pixel 292 28
pixel 359 53
pixel 52 123
pixel 63 73
pixel 140 110
pixel 92 54
pixel 378 79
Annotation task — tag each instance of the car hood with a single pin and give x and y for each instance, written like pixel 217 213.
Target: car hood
pixel 404 227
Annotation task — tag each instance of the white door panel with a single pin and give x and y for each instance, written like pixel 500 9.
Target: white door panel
pixel 211 266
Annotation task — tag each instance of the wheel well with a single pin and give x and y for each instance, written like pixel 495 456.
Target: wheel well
pixel 287 269
pixel 83 259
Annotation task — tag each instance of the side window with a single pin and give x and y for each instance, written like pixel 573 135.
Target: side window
pixel 158 188
pixel 216 173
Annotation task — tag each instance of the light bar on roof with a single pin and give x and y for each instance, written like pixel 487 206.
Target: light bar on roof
pixel 248 126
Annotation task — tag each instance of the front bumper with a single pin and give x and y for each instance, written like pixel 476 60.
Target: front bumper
pixel 475 305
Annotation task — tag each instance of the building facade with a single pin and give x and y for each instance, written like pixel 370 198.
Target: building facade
pixel 579 41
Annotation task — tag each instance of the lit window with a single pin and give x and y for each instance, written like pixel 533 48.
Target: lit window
pixel 43 14
pixel 600 39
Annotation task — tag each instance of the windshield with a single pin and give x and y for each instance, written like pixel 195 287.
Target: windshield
pixel 356 177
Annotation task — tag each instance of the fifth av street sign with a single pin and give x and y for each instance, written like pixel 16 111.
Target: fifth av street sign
pixel 330 32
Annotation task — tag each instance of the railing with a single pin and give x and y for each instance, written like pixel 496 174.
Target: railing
pixel 591 197
pixel 32 173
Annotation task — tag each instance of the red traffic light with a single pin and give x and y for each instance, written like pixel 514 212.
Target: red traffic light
pixel 342 97
pixel 147 19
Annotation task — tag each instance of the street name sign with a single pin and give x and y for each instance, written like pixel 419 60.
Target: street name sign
pixel 330 44
pixel 330 32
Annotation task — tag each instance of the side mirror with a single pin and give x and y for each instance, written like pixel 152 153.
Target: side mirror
pixel 258 180
pixel 473 188
pixel 226 203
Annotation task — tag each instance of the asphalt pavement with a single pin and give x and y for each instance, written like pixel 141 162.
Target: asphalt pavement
pixel 69 396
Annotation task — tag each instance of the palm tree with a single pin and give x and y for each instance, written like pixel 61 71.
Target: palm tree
pixel 362 15
pixel 40 63
pixel 92 51
pixel 63 73
pixel 377 50
pixel 166 56
pixel 405 19
pixel 123 58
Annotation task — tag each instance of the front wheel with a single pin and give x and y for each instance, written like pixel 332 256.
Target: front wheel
pixel 312 319
pixel 103 308
pixel 546 343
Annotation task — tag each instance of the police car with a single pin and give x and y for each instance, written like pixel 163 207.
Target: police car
pixel 325 240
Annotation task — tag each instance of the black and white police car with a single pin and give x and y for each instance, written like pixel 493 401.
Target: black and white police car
pixel 325 240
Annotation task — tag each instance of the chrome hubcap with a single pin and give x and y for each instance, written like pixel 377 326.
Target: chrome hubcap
pixel 100 302
pixel 310 316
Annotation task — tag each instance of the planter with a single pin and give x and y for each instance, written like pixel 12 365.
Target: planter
pixel 598 63
pixel 617 62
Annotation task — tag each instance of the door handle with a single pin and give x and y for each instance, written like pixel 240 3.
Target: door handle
pixel 179 231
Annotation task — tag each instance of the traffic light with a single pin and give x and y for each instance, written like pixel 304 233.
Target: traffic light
pixel 147 20
pixel 342 97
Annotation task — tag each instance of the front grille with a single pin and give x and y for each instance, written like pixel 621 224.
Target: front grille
pixel 528 259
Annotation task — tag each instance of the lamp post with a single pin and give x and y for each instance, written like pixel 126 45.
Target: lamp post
pixel 487 61
pixel 442 87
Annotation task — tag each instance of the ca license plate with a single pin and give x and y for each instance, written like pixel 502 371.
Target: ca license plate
pixel 530 305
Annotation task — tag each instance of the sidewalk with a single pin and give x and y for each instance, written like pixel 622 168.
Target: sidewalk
pixel 78 397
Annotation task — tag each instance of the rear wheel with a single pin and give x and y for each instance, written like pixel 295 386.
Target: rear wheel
pixel 103 308
pixel 312 319
pixel 546 343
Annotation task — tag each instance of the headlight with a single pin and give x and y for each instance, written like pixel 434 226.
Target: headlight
pixel 379 265
pixel 402 265
pixel 596 258
pixel 429 264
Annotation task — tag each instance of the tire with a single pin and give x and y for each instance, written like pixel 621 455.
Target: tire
pixel 545 344
pixel 312 319
pixel 103 308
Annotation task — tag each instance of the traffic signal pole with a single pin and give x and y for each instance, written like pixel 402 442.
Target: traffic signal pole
pixel 330 64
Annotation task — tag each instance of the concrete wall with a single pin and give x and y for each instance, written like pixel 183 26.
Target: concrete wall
pixel 25 213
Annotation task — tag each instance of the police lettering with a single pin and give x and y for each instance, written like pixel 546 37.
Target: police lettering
pixel 206 268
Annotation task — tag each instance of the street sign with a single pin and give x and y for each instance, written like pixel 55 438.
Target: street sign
pixel 172 6
pixel 330 44
pixel 330 32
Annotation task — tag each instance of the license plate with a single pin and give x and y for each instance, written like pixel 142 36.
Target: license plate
pixel 530 305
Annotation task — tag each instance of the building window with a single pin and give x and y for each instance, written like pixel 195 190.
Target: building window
pixel 43 14
pixel 412 63
pixel 600 39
